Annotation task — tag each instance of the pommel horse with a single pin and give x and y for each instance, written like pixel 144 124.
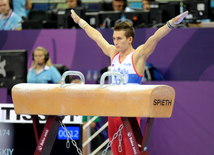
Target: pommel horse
pixel 125 101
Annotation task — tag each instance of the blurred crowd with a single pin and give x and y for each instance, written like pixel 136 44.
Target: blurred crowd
pixel 23 14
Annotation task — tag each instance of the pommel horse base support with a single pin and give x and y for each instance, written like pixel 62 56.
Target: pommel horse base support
pixel 45 141
pixel 138 142
pixel 125 101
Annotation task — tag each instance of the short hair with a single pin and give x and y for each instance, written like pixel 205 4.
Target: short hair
pixel 127 27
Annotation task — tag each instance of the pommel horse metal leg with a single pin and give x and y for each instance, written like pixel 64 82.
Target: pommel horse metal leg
pixel 36 127
pixel 46 141
pixel 138 143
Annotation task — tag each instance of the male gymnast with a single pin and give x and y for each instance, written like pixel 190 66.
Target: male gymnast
pixel 128 61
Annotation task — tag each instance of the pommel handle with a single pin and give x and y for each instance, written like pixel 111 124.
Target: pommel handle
pixel 102 79
pixel 82 78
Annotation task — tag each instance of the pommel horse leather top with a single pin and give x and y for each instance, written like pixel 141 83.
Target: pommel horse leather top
pixel 88 99
pixel 125 101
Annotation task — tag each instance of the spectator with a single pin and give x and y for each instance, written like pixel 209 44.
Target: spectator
pixel 9 20
pixel 42 70
pixel 120 5
pixel 115 5
pixel 73 3
pixel 146 4
pixel 20 7
pixel 69 4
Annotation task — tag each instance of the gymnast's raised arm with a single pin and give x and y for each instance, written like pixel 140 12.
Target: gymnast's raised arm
pixel 94 34
pixel 147 48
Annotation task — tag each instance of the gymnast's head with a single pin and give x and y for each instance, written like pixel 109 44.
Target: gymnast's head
pixel 123 34
pixel 40 57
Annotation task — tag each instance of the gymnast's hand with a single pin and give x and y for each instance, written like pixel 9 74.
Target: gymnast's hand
pixel 178 19
pixel 75 17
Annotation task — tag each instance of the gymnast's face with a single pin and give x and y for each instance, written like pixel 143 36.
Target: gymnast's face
pixel 39 57
pixel 120 41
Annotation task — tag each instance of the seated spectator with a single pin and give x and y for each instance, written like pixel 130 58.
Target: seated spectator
pixel 21 6
pixel 69 4
pixel 42 70
pixel 146 4
pixel 9 20
pixel 119 5
pixel 115 5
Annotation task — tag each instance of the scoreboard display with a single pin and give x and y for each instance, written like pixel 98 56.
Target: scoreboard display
pixel 17 133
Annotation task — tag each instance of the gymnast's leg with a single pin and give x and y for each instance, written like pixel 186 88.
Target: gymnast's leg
pixel 114 124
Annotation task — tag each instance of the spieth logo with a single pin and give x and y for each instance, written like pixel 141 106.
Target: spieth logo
pixel 2 66
pixel 164 102
pixel 129 134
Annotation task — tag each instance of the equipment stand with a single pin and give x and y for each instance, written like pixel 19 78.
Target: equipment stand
pixel 45 141
pixel 138 142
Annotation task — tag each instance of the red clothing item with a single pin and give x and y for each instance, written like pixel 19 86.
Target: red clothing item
pixel 113 126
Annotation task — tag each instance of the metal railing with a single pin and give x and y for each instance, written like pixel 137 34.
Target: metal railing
pixel 91 137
